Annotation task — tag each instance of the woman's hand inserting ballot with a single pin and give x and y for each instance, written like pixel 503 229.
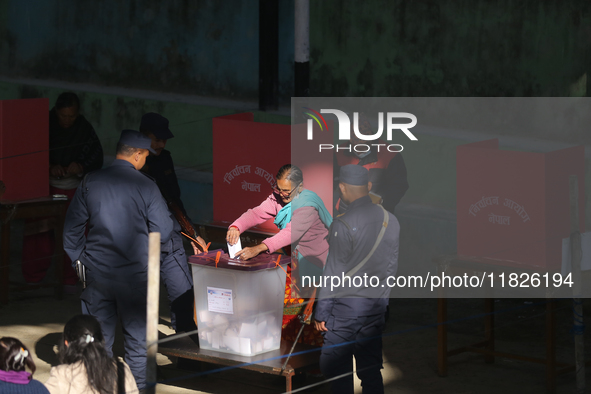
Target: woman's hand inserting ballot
pixel 233 235
pixel 250 252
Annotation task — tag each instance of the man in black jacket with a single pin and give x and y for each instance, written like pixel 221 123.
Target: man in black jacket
pixel 121 207
pixel 363 245
pixel 174 268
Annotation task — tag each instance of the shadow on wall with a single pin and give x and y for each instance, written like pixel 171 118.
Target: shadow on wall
pixel 425 232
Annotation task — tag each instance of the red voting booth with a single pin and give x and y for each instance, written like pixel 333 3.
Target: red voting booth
pixel 247 156
pixel 513 207
pixel 24 148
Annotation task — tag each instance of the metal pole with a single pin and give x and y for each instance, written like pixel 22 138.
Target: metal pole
pixel 302 48
pixel 152 311
pixel 268 55
pixel 575 250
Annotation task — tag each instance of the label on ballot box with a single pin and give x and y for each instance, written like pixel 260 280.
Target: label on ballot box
pixel 219 300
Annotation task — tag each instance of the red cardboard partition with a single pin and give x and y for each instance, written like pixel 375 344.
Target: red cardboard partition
pixel 513 207
pixel 316 165
pixel 246 158
pixel 24 148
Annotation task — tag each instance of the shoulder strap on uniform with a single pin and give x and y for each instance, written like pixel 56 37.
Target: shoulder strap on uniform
pixel 340 219
pixel 375 246
pixel 120 377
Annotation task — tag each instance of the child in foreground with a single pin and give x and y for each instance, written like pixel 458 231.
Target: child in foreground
pixel 86 366
pixel 14 358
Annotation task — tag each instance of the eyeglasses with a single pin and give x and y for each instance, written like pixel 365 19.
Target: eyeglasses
pixel 284 193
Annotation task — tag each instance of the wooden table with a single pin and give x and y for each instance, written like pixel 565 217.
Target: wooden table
pixel 458 265
pixel 31 209
pixel 267 363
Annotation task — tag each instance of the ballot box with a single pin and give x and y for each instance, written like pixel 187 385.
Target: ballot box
pixel 513 206
pixel 24 148
pixel 239 304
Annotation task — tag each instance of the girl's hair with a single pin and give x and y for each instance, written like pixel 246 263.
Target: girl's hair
pixel 291 173
pixel 86 344
pixel 14 356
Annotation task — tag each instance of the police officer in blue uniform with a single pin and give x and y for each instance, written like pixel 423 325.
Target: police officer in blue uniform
pixel 174 268
pixel 363 243
pixel 119 206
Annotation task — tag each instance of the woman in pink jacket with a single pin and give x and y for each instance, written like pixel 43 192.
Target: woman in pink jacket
pixel 303 223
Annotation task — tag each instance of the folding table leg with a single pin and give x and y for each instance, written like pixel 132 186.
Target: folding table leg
pixel 489 327
pixel 442 336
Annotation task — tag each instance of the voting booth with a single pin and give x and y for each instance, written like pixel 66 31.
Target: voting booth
pixel 513 207
pixel 247 156
pixel 24 148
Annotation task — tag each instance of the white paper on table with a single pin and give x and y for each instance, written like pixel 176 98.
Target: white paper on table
pixel 232 249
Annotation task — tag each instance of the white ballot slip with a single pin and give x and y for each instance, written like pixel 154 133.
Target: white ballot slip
pixel 232 249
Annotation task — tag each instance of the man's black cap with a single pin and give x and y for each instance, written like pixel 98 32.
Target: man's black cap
pixel 355 175
pixel 135 139
pixel 157 125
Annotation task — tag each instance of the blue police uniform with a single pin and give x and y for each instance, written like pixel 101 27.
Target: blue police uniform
pixel 354 315
pixel 387 173
pixel 119 206
pixel 174 268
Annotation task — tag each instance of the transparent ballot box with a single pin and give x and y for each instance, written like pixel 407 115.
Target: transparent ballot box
pixel 239 304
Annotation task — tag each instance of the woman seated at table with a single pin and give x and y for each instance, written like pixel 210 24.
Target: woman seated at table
pixel 303 221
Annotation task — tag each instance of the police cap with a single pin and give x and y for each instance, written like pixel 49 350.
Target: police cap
pixel 157 125
pixel 353 174
pixel 135 139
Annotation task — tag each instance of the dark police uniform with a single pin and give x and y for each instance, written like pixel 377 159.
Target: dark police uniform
pixel 387 173
pixel 121 206
pixel 174 268
pixel 354 314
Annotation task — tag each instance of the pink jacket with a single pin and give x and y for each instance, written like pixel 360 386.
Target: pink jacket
pixel 308 231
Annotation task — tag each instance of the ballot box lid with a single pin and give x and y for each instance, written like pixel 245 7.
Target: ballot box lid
pixel 261 262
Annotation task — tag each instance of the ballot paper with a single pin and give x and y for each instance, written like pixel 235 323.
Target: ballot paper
pixel 240 334
pixel 232 249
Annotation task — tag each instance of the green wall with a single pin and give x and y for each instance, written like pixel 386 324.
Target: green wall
pixel 448 48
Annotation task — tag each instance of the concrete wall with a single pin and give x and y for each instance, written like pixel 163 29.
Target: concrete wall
pixel 448 48
pixel 196 47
